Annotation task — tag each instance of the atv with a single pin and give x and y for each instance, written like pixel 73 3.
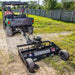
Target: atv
pixel 14 23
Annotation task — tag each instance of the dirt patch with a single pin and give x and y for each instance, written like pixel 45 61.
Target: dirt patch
pixel 52 36
pixel 4 56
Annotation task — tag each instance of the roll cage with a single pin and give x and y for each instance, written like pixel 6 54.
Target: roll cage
pixel 12 3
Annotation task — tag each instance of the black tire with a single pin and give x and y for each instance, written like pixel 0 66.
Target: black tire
pixel 9 31
pixel 30 30
pixel 64 55
pixel 30 65
pixel 4 25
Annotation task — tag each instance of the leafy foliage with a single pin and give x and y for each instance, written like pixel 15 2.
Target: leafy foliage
pixel 59 6
pixel 50 4
pixel 47 25
pixel 32 4
pixel 69 5
pixel 72 6
pixel 66 5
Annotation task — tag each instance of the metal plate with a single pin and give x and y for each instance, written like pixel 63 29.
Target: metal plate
pixel 21 21
pixel 42 52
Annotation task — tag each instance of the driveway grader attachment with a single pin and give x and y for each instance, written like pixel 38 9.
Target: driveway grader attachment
pixel 37 49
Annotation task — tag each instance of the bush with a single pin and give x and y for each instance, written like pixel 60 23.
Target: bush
pixel 69 5
pixel 72 6
pixel 58 6
pixel 66 5
pixel 50 4
pixel 39 7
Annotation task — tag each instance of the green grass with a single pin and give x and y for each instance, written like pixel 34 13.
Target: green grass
pixel 47 25
pixel 0 72
pixel 0 17
pixel 66 42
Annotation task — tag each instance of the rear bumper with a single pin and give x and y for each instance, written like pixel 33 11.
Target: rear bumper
pixel 20 22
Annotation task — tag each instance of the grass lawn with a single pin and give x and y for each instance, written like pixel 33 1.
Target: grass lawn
pixel 47 25
pixel 0 72
pixel 67 42
pixel 0 17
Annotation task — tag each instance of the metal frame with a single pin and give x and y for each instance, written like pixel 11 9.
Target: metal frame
pixel 24 52
pixel 12 3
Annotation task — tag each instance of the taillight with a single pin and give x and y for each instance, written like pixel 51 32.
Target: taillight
pixel 33 20
pixel 8 22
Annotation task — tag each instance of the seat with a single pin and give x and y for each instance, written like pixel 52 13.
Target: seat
pixel 9 16
pixel 20 16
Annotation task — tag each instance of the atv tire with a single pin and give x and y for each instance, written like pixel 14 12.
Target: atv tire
pixel 4 25
pixel 9 31
pixel 30 65
pixel 64 55
pixel 30 30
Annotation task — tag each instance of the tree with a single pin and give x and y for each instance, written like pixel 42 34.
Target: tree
pixel 67 0
pixel 32 4
pixel 66 5
pixel 59 6
pixel 50 4
pixel 69 5
pixel 40 7
pixel 72 6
